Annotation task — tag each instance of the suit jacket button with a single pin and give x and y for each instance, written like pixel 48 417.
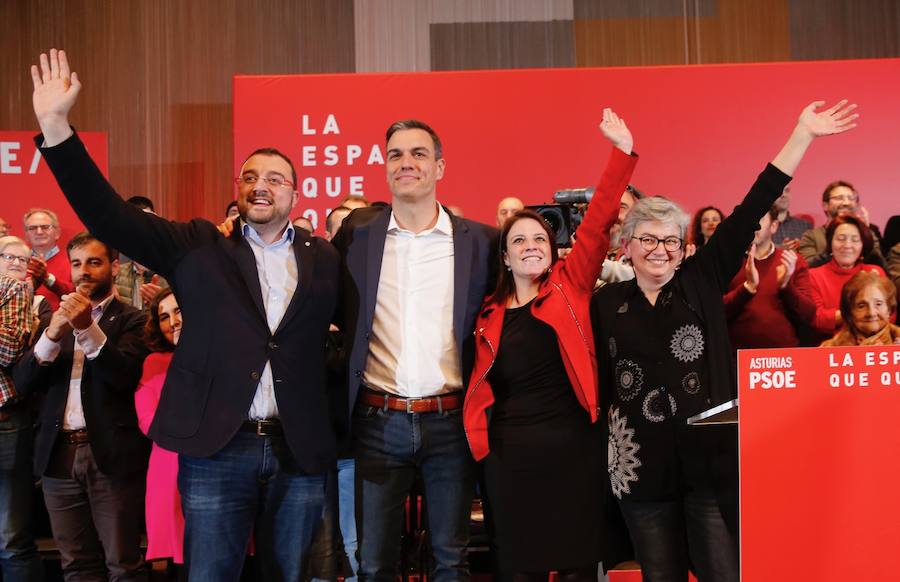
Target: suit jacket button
pixel 273 346
pixel 254 375
pixel 358 373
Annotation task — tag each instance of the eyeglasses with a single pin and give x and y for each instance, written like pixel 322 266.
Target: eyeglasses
pixel 843 197
pixel 273 181
pixel 650 242
pixel 39 228
pixel 14 258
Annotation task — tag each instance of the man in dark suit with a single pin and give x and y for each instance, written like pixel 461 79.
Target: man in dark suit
pixel 89 450
pixel 244 403
pixel 415 277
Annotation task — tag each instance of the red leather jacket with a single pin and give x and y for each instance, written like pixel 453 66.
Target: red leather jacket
pixel 563 302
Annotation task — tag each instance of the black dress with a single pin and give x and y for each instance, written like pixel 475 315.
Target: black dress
pixel 542 476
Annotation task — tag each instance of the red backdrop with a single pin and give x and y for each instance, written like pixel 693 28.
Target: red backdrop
pixel 819 475
pixel 703 132
pixel 26 181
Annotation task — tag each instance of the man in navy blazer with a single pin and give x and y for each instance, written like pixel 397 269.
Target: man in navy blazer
pixel 415 277
pixel 244 403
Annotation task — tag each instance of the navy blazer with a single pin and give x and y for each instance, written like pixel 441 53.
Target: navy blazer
pixel 360 241
pixel 225 342
pixel 108 383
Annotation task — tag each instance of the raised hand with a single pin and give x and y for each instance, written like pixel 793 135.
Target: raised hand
pixel 55 91
pixel 76 308
pixel 752 273
pixel 785 270
pixel 37 270
pixel 615 130
pixel 836 119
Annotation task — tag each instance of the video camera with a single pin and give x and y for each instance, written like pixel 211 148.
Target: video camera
pixel 565 216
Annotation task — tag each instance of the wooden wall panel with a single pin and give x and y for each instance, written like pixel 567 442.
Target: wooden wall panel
pixel 631 42
pixel 157 78
pixel 741 32
pixel 838 29
pixel 502 45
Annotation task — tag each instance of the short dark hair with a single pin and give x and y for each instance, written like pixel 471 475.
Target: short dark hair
pixel 85 238
pixel 826 195
pixel 506 286
pixel 276 153
pixel 142 202
pixel 856 284
pixel 865 235
pixel 633 190
pixel 329 221
pixel 153 336
pixel 416 124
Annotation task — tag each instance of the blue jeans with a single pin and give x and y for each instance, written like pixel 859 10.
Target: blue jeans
pixel 329 555
pixel 18 554
pixel 249 486
pixel 391 448
pixel 669 537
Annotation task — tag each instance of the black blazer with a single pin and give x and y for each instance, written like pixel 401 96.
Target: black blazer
pixel 108 383
pixel 360 241
pixel 226 341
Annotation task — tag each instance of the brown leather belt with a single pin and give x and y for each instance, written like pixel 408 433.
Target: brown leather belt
pixel 75 437
pixel 442 403
pixel 264 427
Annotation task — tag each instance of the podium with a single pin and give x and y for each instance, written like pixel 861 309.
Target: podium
pixel 819 434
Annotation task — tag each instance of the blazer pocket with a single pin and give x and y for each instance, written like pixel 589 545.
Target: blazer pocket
pixel 183 402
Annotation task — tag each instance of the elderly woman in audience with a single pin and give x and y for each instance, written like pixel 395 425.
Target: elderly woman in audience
pixel 18 554
pixel 868 303
pixel 705 223
pixel 531 411
pixel 165 522
pixel 848 240
pixel 11 247
pixel 664 356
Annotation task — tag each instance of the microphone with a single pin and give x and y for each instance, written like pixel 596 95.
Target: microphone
pixel 574 195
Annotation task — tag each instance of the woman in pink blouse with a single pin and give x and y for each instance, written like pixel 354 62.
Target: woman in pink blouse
pixel 165 522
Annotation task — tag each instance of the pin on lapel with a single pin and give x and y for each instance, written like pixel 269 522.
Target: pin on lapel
pixel 306 243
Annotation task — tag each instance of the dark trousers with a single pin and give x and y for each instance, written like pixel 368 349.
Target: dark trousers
pixel 96 518
pixel 19 561
pixel 669 537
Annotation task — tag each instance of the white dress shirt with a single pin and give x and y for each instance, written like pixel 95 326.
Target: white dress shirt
pixel 276 266
pixel 412 349
pixel 88 344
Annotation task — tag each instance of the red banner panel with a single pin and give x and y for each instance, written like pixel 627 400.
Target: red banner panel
pixel 704 132
pixel 819 476
pixel 26 181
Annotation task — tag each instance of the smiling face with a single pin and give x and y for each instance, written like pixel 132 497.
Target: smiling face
pixel 170 319
pixel 528 252
pixel 846 245
pixel 40 231
pixel 841 200
pixel 262 204
pixel 871 311
pixel 412 168
pixel 14 261
pixel 654 268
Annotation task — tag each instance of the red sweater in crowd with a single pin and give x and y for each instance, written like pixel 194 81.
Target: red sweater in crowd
pixel 58 264
pixel 828 280
pixel 767 319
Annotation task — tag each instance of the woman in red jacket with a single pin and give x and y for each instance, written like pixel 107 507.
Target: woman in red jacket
pixel 530 412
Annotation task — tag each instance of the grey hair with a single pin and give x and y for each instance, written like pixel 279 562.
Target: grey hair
pixel 10 240
pixel 54 220
pixel 656 208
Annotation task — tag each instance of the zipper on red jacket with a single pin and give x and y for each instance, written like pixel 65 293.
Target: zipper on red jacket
pixel 572 312
pixel 480 380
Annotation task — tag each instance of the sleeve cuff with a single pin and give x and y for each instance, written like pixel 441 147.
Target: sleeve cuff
pixel 46 350
pixel 91 340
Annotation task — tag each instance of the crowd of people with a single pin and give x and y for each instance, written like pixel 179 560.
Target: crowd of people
pixel 251 388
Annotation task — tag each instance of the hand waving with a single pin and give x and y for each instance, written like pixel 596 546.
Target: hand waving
pixel 835 119
pixel 615 130
pixel 55 92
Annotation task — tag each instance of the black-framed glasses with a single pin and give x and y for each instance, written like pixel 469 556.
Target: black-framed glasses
pixel 273 181
pixel 11 259
pixel 650 242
